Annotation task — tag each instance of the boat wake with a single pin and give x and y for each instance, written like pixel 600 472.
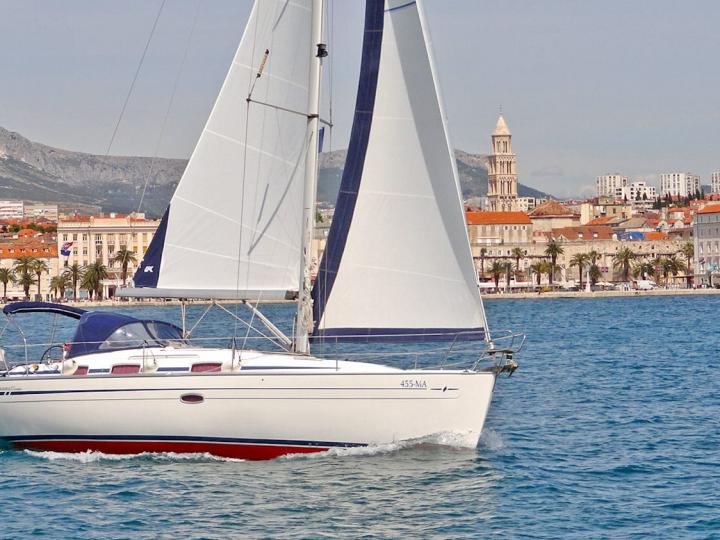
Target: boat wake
pixel 492 440
pixel 93 457
pixel 453 440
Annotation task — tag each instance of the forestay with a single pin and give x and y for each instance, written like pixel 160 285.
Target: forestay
pixel 232 227
pixel 398 261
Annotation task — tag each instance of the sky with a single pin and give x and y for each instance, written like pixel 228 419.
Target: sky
pixel 587 88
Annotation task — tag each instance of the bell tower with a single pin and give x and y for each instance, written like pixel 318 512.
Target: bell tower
pixel 502 178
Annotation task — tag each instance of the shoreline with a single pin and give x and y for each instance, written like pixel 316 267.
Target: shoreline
pixel 599 294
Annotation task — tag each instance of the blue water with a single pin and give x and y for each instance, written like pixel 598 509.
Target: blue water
pixel 609 429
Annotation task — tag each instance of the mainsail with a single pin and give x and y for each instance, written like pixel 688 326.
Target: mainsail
pixel 232 227
pixel 397 264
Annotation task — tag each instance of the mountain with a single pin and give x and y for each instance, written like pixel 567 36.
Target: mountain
pixel 472 170
pixel 34 171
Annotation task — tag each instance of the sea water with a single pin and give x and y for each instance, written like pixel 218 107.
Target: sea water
pixel 610 428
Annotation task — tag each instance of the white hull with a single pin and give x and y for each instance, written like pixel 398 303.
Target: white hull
pixel 252 413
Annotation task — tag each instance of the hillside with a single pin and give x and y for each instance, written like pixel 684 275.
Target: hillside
pixel 34 171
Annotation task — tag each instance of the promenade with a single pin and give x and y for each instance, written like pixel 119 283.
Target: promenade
pixel 598 294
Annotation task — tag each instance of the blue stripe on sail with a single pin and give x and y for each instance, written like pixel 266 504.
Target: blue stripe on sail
pixel 149 270
pixel 367 335
pixel 350 184
pixel 401 6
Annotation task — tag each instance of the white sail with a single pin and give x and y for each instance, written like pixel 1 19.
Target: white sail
pixel 398 260
pixel 233 224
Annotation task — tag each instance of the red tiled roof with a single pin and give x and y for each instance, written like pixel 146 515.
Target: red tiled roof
pixel 655 235
pixel 600 221
pixel 710 209
pixel 584 232
pixel 551 208
pixel 497 218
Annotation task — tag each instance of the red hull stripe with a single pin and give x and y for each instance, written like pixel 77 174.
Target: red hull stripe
pixel 237 451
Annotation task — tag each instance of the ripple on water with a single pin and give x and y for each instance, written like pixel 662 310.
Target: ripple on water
pixel 608 429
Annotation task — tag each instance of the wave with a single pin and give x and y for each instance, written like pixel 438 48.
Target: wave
pixel 92 457
pixel 453 439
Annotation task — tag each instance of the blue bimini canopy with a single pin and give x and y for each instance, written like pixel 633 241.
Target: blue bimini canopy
pixel 43 307
pixel 102 331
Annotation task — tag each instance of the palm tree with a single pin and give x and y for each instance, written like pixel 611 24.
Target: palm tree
pixel 622 260
pixel 688 250
pixel 643 270
pixel 25 266
pixel 59 283
pixel 507 266
pixel 495 270
pixel 595 274
pixel 7 275
pixel 40 267
pixel 663 265
pixel 518 253
pixel 537 269
pixel 26 281
pixel 675 265
pixel 580 260
pixel 75 273
pixel 483 251
pixel 92 279
pixel 552 250
pixel 124 257
pixel 593 256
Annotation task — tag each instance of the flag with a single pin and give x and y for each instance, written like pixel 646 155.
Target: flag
pixel 65 249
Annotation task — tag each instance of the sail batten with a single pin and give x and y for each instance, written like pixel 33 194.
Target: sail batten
pixel 397 264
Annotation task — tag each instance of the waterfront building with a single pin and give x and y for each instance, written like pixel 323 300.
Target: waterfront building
pixel 707 244
pixel 488 229
pixel 679 184
pixel 607 185
pixel 88 239
pixel 715 182
pixel 552 215
pixel 502 177
pixel 29 243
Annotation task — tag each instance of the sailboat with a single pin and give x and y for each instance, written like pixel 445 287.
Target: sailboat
pixel 397 267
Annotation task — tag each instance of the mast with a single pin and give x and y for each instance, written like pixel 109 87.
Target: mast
pixel 303 319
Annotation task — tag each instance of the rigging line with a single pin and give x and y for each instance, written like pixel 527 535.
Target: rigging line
pixel 170 104
pixel 137 72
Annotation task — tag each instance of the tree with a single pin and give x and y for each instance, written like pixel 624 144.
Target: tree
pixel 507 267
pixel 59 283
pixel 595 274
pixel 75 273
pixel 25 267
pixel 496 268
pixel 580 260
pixel 553 250
pixel 39 268
pixel 483 251
pixel 26 281
pixel 688 251
pixel 675 265
pixel 663 265
pixel 124 257
pixel 7 275
pixel 622 260
pixel 517 253
pixel 538 269
pixel 643 270
pixel 92 279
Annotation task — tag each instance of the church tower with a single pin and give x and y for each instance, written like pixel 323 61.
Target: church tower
pixel 502 178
